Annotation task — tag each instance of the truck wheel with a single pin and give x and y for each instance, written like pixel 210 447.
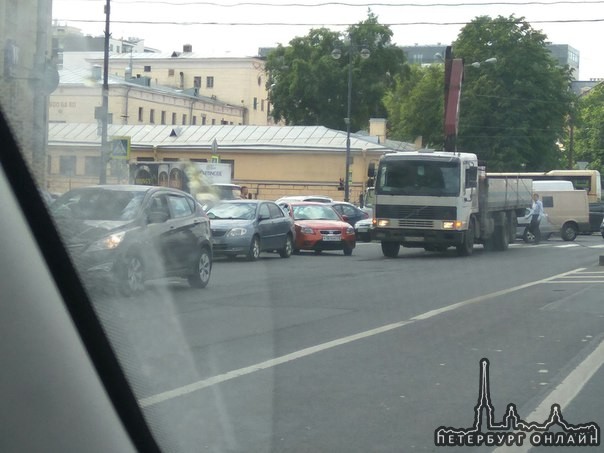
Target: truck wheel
pixel 569 232
pixel 467 247
pixel 390 249
pixel 501 238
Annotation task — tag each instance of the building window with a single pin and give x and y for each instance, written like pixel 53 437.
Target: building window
pixel 199 160
pixel 110 47
pixel 262 105
pixel 170 72
pixel 204 120
pixel 67 165
pixel 163 117
pixel 182 79
pixel 224 122
pixel 152 116
pixel 92 166
pixel 48 164
pixel 140 114
pixel 213 121
pixel 229 161
pixel 210 82
pixel 194 120
pixel 173 118
pixel 184 119
pixel 170 159
pixel 147 69
pixel 144 159
pixel 197 82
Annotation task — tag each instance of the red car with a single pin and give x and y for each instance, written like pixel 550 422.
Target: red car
pixel 319 227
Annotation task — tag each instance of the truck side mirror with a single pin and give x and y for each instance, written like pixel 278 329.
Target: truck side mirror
pixel 471 177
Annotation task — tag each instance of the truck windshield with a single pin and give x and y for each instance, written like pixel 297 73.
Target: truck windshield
pixel 411 177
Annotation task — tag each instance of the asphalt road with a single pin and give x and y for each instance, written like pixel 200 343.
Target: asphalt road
pixel 327 353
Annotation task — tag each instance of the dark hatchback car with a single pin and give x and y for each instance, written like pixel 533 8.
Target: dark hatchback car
pixel 120 236
pixel 349 212
pixel 248 227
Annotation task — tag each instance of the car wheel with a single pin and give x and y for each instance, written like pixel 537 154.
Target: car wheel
pixel 203 270
pixel 527 236
pixel 347 250
pixel 569 232
pixel 134 276
pixel 254 253
pixel 390 249
pixel 286 251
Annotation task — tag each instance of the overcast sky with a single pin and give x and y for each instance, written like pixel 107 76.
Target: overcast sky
pixel 239 28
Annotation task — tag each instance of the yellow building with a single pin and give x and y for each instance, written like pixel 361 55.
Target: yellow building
pixel 272 161
pixel 134 102
pixel 236 81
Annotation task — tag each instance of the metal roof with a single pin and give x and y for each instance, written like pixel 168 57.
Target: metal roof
pixel 228 137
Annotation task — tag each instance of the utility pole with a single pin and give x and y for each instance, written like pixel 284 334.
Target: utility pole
pixel 105 105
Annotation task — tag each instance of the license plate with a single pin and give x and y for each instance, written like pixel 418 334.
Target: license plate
pixel 331 238
pixel 414 239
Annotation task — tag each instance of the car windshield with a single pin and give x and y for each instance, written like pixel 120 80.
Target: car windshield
pixel 233 211
pixel 314 212
pixel 98 204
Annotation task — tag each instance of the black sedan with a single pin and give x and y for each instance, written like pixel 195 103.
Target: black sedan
pixel 120 236
pixel 349 212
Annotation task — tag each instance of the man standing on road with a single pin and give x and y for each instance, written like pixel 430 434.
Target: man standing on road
pixel 537 212
pixel 244 193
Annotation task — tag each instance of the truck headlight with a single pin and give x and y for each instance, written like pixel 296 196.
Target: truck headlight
pixel 453 224
pixel 383 222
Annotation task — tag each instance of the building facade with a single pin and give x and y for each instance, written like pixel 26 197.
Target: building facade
pixel 133 101
pixel 236 81
pixel 272 161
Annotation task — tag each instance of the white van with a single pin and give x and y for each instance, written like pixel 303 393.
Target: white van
pixel 567 211
pixel 540 186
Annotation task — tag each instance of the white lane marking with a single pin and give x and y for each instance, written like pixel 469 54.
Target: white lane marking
pixel 198 385
pixel 564 393
pixel 565 246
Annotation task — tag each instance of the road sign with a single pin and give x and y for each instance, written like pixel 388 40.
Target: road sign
pixel 120 148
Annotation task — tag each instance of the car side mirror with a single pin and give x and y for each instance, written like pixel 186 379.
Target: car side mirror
pixel 157 217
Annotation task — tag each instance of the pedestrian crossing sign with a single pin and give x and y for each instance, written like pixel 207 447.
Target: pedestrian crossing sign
pixel 120 148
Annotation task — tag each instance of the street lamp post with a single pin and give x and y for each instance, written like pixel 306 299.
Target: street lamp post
pixel 336 54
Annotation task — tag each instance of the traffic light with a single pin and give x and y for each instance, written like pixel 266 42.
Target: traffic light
pixel 341 185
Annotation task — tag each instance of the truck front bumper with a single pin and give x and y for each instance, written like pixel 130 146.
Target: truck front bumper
pixel 418 238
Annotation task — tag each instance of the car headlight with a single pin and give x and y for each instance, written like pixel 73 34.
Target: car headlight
pixel 350 230
pixel 108 243
pixel 235 232
pixel 306 230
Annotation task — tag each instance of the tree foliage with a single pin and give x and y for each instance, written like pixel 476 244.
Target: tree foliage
pixel 308 86
pixel 512 113
pixel 415 106
pixel 589 128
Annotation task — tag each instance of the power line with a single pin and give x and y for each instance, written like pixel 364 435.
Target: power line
pixel 305 24
pixel 363 5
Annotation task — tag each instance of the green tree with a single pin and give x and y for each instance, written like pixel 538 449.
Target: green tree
pixel 589 128
pixel 308 86
pixel 512 113
pixel 415 106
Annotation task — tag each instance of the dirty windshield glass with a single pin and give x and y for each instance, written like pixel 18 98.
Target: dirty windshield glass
pixel 408 177
pixel 466 314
